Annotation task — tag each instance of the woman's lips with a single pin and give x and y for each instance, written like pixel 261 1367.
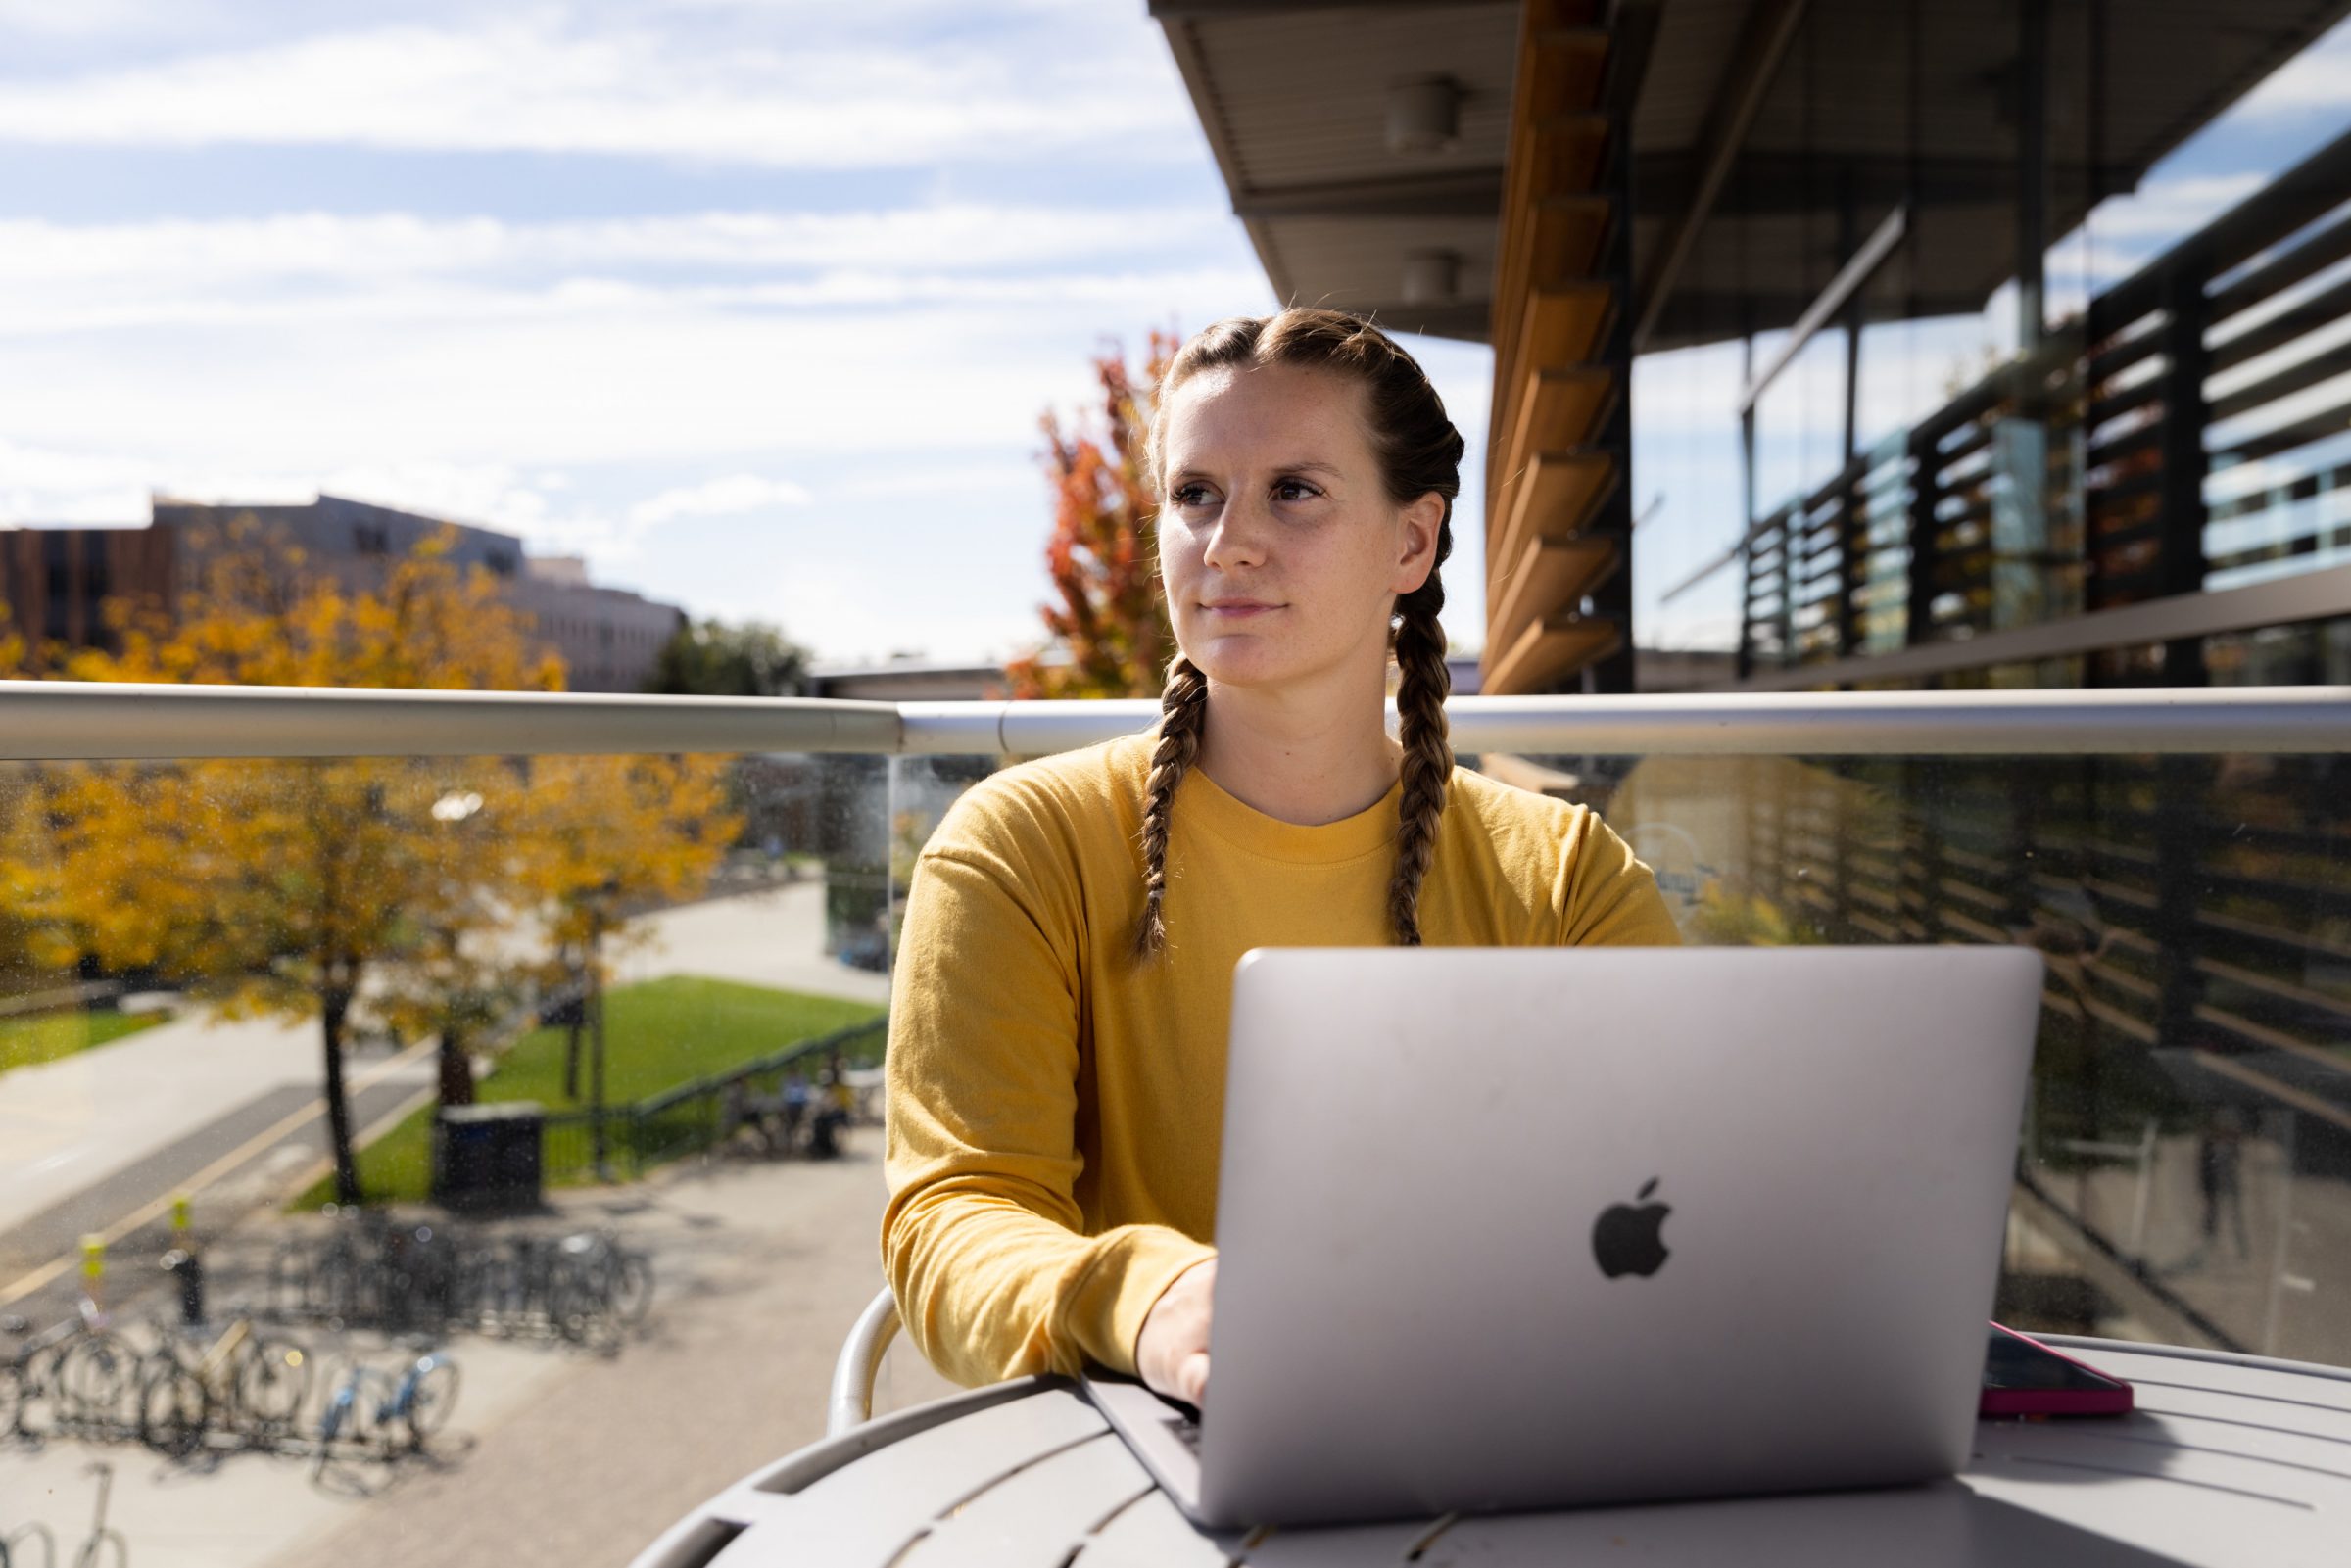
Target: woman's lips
pixel 1239 609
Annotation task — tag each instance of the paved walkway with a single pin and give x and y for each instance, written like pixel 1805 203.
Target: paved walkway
pixel 93 1138
pixel 565 1459
pixel 67 1125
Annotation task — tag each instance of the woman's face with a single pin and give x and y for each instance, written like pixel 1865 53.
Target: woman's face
pixel 1281 553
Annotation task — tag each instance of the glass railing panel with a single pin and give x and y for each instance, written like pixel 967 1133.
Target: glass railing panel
pixel 2186 1173
pixel 2186 1164
pixel 2185 1168
pixel 516 990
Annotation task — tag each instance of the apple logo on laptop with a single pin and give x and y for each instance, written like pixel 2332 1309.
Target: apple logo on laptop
pixel 1626 1240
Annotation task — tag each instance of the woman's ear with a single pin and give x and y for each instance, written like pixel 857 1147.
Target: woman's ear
pixel 1421 522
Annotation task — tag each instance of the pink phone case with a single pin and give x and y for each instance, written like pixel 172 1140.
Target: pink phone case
pixel 2112 1399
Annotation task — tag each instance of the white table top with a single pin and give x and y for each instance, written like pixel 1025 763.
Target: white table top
pixel 2227 1461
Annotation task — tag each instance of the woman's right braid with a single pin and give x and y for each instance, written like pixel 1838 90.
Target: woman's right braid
pixel 1182 710
pixel 1427 753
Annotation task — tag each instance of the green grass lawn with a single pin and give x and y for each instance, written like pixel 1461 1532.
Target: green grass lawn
pixel 657 1035
pixel 47 1037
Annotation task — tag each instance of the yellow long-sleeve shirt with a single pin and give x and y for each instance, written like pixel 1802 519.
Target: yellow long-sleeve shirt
pixel 1055 1106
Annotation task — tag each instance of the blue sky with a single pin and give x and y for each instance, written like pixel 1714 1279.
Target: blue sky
pixel 755 304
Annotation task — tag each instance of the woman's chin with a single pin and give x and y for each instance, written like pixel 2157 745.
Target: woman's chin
pixel 1237 661
pixel 1245 662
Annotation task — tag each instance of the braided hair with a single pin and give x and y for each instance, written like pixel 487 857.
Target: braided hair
pixel 1418 452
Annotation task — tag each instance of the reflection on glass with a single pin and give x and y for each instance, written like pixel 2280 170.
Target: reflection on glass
pixel 673 958
pixel 2187 1171
pixel 269 980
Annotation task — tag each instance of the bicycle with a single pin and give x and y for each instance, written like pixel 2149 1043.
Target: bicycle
pixel 102 1537
pixel 370 1407
pixel 424 1400
pixel 24 1376
pixel 598 1289
pixel 30 1532
pixel 348 1414
pixel 243 1383
pixel 81 1366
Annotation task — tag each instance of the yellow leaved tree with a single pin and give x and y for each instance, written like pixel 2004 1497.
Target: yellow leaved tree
pixel 421 891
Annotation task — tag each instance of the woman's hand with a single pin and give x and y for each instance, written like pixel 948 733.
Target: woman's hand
pixel 1170 1354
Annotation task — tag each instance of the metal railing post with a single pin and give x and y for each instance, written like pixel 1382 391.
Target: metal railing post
pixel 2184 461
pixel 1926 493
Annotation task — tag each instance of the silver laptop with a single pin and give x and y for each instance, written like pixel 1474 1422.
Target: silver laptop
pixel 1530 1229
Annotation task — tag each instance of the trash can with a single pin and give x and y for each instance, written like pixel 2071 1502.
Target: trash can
pixel 486 1156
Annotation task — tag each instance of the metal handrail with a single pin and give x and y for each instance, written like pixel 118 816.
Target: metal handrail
pixel 68 721
pixel 851 1405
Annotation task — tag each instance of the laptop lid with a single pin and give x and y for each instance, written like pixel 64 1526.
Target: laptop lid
pixel 1521 1228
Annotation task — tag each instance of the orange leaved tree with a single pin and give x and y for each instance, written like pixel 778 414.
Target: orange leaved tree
pixel 409 888
pixel 1109 632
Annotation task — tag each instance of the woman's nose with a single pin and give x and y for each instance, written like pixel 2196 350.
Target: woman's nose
pixel 1239 536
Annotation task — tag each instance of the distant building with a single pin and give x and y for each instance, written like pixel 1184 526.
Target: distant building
pixel 54 580
pixel 909 681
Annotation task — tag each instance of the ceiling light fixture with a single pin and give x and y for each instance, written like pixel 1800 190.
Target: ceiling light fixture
pixel 1431 278
pixel 1425 114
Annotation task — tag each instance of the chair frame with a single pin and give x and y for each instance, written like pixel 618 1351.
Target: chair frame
pixel 854 1370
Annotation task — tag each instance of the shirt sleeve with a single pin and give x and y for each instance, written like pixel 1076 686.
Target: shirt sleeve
pixel 982 1237
pixel 1609 898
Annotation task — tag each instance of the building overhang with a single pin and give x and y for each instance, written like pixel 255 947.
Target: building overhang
pixel 1742 172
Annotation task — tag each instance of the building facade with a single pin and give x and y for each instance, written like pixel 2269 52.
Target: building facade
pixel 1581 182
pixel 53 581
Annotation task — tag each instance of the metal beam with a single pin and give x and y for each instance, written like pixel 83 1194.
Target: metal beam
pixel 1754 63
pixel 2283 720
pixel 1632 42
pixel 2320 595
pixel 1192 67
pixel 1841 288
pixel 1456 193
pixel 1707 316
pixel 1467 320
pixel 1783 183
pixel 128 721
pixel 75 719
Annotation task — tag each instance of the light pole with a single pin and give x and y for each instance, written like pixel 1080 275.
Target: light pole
pixel 598 903
pixel 454 810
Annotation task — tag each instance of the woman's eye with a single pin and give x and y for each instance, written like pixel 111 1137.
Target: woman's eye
pixel 1188 495
pixel 1293 490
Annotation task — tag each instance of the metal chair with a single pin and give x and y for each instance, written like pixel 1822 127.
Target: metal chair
pixel 859 1364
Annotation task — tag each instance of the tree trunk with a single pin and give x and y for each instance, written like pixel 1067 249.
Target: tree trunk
pixel 335 1008
pixel 457 1067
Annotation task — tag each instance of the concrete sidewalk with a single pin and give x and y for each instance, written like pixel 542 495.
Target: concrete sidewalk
pixel 559 1457
pixel 68 1125
pixel 71 1127
pixel 590 1464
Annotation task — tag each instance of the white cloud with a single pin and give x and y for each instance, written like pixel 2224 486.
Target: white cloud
pixel 531 85
pixel 726 497
pixel 853 612
pixel 2315 80
pixel 93 19
pixel 2173 208
pixel 301 270
pixel 942 480
pixel 940 239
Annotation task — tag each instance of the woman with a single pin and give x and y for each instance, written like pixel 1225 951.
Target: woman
pixel 1056 1066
